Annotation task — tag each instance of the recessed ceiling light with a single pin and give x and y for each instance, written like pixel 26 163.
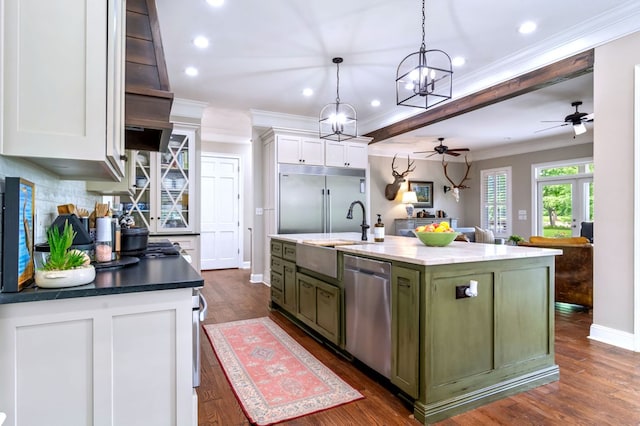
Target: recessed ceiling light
pixel 527 27
pixel 375 103
pixel 191 71
pixel 458 61
pixel 201 42
pixel 215 3
pixel 307 92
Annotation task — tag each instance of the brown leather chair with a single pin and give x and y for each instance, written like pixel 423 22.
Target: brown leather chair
pixel 574 268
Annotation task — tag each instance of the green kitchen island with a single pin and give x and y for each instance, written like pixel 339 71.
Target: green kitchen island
pixel 449 352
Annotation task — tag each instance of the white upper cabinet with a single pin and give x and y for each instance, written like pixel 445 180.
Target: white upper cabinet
pixel 346 154
pixel 300 150
pixel 305 150
pixel 62 66
pixel 127 184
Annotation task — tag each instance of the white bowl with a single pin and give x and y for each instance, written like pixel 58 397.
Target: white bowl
pixel 67 278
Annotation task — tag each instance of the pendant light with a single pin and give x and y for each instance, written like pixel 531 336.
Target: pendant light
pixel 424 78
pixel 338 120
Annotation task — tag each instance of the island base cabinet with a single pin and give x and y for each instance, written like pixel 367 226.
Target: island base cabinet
pixel 405 329
pixel 283 283
pixel 106 360
pixel 475 350
pixel 319 306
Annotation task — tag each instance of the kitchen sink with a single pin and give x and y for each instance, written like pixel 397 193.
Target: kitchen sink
pixel 318 258
pixel 321 255
pixel 332 243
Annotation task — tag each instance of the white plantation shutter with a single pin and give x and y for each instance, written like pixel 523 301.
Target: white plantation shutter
pixel 496 201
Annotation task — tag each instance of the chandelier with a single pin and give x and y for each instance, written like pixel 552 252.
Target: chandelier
pixel 424 78
pixel 337 120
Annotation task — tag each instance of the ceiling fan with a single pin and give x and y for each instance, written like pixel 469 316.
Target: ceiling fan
pixel 576 119
pixel 443 149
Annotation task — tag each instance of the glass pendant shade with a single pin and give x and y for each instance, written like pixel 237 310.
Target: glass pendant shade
pixel 424 78
pixel 338 121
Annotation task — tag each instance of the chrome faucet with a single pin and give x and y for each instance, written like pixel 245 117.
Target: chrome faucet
pixel 364 225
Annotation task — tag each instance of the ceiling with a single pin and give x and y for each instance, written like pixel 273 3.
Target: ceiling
pixel 262 54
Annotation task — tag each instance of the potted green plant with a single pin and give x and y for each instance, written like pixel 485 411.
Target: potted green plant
pixel 514 239
pixel 64 266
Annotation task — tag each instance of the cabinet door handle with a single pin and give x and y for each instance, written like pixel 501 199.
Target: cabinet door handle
pixel 401 284
pixel 306 285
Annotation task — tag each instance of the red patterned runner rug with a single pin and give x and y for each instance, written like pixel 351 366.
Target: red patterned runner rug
pixel 273 377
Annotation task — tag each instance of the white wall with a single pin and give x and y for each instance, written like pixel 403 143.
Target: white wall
pixel 229 132
pixel 613 308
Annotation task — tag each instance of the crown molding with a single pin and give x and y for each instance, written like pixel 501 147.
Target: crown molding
pixel 267 119
pixel 188 108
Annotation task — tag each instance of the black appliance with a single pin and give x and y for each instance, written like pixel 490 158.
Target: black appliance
pixel 160 248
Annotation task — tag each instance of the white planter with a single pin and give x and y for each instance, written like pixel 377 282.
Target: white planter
pixel 67 278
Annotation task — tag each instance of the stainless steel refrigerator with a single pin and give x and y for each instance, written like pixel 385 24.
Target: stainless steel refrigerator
pixel 315 199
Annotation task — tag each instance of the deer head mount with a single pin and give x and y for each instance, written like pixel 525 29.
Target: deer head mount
pixel 391 190
pixel 455 190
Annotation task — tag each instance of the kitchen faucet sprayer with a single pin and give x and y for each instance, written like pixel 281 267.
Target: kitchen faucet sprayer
pixel 364 225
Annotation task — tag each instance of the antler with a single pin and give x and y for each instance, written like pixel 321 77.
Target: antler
pixel 395 173
pixel 391 190
pixel 466 175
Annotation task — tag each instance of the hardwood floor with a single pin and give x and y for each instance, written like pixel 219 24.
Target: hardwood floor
pixel 599 384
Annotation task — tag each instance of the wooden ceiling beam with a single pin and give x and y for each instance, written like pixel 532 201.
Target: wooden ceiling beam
pixel 557 72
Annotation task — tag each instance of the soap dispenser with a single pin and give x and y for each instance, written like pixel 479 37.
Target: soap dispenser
pixel 378 230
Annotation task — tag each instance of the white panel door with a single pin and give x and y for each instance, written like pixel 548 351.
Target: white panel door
pixel 220 201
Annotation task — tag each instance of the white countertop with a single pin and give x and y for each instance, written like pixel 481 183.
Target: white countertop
pixel 411 250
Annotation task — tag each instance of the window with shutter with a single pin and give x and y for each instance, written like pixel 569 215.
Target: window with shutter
pixel 496 201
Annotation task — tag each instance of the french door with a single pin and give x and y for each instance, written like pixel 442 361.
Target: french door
pixel 562 205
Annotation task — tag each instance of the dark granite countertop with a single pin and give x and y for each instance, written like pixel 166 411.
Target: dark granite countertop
pixel 152 274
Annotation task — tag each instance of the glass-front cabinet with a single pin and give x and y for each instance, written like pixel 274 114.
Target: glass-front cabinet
pixel 163 185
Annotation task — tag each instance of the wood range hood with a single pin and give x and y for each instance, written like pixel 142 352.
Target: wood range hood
pixel 148 97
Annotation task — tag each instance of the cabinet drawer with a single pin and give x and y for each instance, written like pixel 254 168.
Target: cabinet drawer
pixel 276 280
pixel 276 248
pixel 277 265
pixel 328 312
pixel 289 251
pixel 276 295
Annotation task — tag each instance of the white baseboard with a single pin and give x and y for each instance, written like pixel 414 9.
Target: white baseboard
pixel 255 278
pixel 245 265
pixel 611 336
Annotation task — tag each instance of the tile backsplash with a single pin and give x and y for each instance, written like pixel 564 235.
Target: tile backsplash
pixel 50 191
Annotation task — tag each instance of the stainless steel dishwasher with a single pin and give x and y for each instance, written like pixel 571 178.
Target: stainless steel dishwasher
pixel 368 312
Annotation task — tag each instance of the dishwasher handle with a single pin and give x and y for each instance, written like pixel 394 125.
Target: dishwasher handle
pixel 367 266
pixel 203 308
